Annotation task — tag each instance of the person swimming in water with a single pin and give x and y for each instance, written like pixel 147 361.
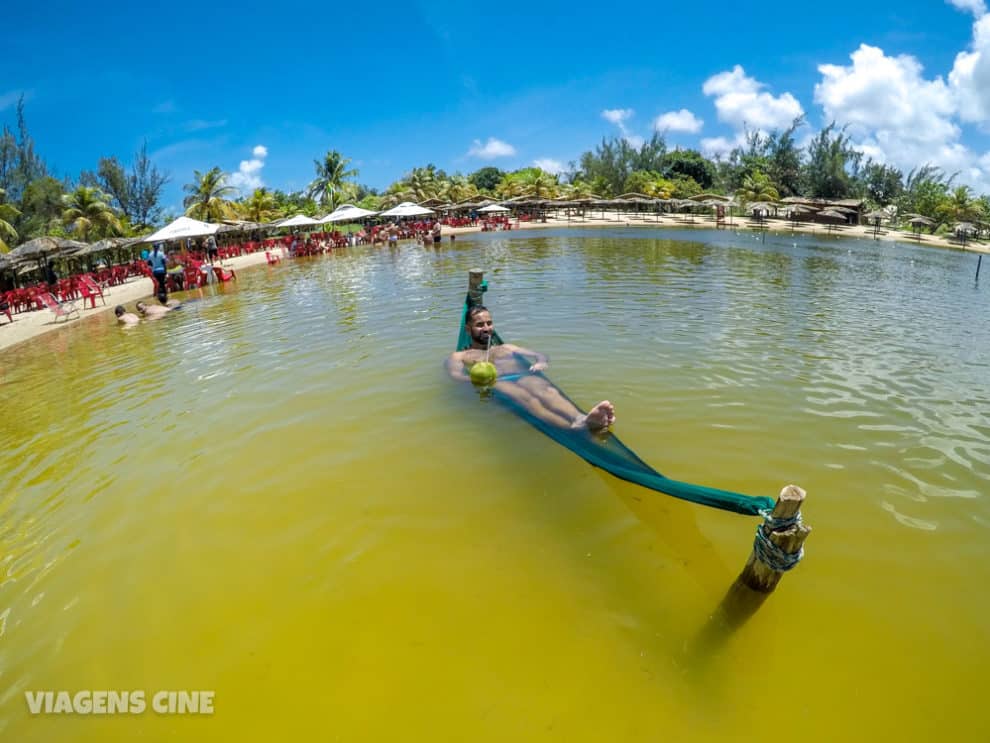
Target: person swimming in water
pixel 519 378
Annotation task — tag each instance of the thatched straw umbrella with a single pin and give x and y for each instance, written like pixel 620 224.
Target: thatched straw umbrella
pixel 964 230
pixel 796 210
pixel 832 214
pixel 877 215
pixel 918 221
pixel 43 249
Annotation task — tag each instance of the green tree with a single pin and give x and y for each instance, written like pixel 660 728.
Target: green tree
pixel 528 182
pixel 41 208
pixel 206 198
pixel 691 164
pixel 461 188
pixel 88 215
pixel 330 176
pixel 613 161
pixel 8 213
pixel 577 189
pixel 831 158
pixel 961 205
pixel 145 185
pixel 925 188
pixel 884 183
pixel 640 181
pixel 19 163
pixel 756 187
pixel 260 206
pixel 486 179
pixel 775 154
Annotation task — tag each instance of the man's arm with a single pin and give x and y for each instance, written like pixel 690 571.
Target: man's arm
pixel 540 361
pixel 455 367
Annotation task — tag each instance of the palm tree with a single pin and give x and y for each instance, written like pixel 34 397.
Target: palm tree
pixel 207 196
pixel 88 215
pixel 756 187
pixel 8 213
pixel 424 183
pixel 260 206
pixel 962 206
pixel 460 188
pixel 539 183
pixel 577 190
pixel 330 175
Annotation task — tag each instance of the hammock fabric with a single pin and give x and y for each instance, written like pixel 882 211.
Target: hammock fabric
pixel 611 455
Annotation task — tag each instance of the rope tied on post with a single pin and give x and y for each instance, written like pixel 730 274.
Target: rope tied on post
pixel 771 555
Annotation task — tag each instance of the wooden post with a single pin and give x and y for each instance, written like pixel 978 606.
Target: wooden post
pixel 761 577
pixel 978 262
pixel 757 579
pixel 475 277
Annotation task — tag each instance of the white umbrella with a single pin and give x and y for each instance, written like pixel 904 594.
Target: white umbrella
pixel 180 228
pixel 493 208
pixel 300 220
pixel 407 209
pixel 347 213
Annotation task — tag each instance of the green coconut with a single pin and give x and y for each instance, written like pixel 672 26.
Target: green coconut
pixel 483 374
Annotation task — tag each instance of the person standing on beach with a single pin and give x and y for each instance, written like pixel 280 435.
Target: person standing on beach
pixel 159 267
pixel 211 248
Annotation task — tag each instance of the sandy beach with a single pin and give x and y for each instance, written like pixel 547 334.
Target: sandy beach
pixel 28 325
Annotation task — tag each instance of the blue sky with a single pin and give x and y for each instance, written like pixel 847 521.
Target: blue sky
pixel 263 91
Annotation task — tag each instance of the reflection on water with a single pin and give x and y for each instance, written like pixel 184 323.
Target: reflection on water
pixel 275 493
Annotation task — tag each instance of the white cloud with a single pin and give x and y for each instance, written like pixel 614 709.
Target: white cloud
pixel 741 102
pixel 895 115
pixel 888 94
pixel 678 121
pixel 491 149
pixel 549 165
pixel 248 175
pixel 619 117
pixel 976 7
pixel 970 76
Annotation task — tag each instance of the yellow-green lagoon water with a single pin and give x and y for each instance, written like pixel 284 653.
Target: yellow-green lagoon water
pixel 276 494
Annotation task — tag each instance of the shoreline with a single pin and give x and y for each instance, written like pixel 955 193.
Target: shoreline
pixel 30 325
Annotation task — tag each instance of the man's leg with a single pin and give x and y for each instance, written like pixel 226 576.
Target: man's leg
pixel 530 402
pixel 541 398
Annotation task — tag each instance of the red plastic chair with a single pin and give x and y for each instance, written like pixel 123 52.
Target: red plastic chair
pixel 222 274
pixel 90 289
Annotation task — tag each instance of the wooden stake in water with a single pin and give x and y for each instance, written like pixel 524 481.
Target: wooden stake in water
pixel 757 580
pixel 978 262
pixel 756 574
pixel 475 279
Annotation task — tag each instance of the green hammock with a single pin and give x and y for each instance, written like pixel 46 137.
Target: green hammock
pixel 614 457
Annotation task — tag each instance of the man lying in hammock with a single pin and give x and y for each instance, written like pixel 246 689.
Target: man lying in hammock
pixel 518 378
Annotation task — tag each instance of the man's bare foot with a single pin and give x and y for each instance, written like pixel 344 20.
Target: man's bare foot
pixel 599 417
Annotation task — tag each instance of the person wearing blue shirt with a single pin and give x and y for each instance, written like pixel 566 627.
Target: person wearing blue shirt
pixel 158 260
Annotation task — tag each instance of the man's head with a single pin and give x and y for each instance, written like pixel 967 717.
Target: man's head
pixel 479 325
pixel 119 310
pixel 141 307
